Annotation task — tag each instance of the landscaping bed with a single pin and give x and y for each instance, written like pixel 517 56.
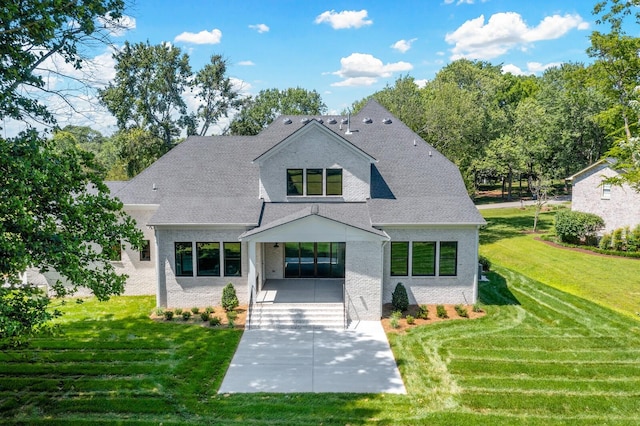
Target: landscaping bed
pixel 159 314
pixel 432 317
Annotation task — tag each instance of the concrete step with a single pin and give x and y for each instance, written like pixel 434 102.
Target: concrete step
pixel 297 315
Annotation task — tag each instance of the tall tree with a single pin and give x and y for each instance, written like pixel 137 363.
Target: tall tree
pixel 257 113
pixel 217 95
pixel 147 92
pixel 55 211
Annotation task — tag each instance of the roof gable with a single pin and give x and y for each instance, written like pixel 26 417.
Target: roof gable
pixel 312 126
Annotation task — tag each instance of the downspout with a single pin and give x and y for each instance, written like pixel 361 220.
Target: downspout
pixel 161 294
pixel 477 261
pixel 384 244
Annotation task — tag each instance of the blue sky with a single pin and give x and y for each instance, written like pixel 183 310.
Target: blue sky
pixel 347 50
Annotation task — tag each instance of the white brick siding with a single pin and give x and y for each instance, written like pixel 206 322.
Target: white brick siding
pixel 363 282
pixel 621 209
pixel 427 290
pixel 187 292
pixel 317 150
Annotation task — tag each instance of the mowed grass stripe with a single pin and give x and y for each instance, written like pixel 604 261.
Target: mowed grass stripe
pixel 81 384
pixel 53 356
pixel 572 384
pixel 541 355
pixel 85 369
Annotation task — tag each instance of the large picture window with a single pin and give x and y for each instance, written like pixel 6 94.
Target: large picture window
pixel 334 181
pixel 184 259
pixel 423 258
pixel 232 260
pixel 208 259
pixel 399 258
pixel 448 258
pixel 294 182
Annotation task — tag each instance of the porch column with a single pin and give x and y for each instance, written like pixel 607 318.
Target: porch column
pixel 251 276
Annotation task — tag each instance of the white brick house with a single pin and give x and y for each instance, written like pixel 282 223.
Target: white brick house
pixel 364 201
pixel 619 206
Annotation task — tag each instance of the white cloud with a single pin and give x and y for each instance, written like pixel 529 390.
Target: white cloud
pixel 118 27
pixel 459 2
pixel 246 63
pixel 261 28
pixel 422 82
pixel 362 69
pixel 533 68
pixel 506 31
pixel 403 45
pixel 203 37
pixel 344 19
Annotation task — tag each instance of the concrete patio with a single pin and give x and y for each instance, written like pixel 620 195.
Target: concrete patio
pixel 357 360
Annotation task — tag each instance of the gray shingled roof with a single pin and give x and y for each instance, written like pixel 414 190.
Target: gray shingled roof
pixel 353 214
pixel 212 180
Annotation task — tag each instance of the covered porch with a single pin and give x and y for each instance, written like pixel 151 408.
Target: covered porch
pixel 301 290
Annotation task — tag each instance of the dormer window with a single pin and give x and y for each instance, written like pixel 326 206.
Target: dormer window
pixel 314 182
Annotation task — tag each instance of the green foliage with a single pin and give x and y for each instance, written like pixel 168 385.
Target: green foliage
pixel 178 311
pixel 617 240
pixel 160 311
pixel 215 321
pixel 229 298
pixel 605 242
pixel 476 307
pixel 24 312
pixel 399 298
pixel 461 311
pixel 394 319
pixel 195 310
pixel 621 240
pixel 410 319
pixel 423 312
pixel 186 315
pixel 204 316
pixel 485 262
pixel 209 309
pixel 168 315
pixel 231 318
pixel 577 227
pixel 441 311
pixel 260 111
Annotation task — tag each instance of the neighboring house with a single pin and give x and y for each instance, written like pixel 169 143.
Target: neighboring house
pixel 364 201
pixel 619 206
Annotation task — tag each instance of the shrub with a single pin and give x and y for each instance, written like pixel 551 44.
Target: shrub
pixel 195 310
pixel 178 311
pixel 204 316
pixel 215 321
pixel 485 262
pixel 633 242
pixel 617 240
pixel 229 298
pixel 441 312
pixel 423 312
pixel 231 318
pixel 461 311
pixel 394 320
pixel 410 320
pixel 477 308
pixel 168 315
pixel 399 298
pixel 575 227
pixel 186 315
pixel 209 309
pixel 160 312
pixel 605 242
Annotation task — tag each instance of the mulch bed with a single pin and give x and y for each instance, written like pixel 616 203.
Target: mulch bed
pixel 581 250
pixel 219 312
pixel 387 308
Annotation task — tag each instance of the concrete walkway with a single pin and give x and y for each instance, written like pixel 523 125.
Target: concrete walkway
pixel 357 360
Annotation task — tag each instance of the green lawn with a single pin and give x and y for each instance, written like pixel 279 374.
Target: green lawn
pixel 611 281
pixel 540 356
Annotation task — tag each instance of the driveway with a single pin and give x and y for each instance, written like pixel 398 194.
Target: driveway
pixel 357 360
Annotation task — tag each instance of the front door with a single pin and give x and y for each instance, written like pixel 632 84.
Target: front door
pixel 314 260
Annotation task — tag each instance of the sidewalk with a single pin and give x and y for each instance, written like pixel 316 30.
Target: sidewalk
pixel 524 203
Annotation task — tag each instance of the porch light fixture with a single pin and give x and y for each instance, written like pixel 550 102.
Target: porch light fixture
pixel 276 245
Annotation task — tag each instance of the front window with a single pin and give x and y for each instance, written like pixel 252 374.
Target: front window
pixel 184 259
pixel 423 259
pixel 232 260
pixel 208 259
pixel 448 258
pixel 294 182
pixel 399 258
